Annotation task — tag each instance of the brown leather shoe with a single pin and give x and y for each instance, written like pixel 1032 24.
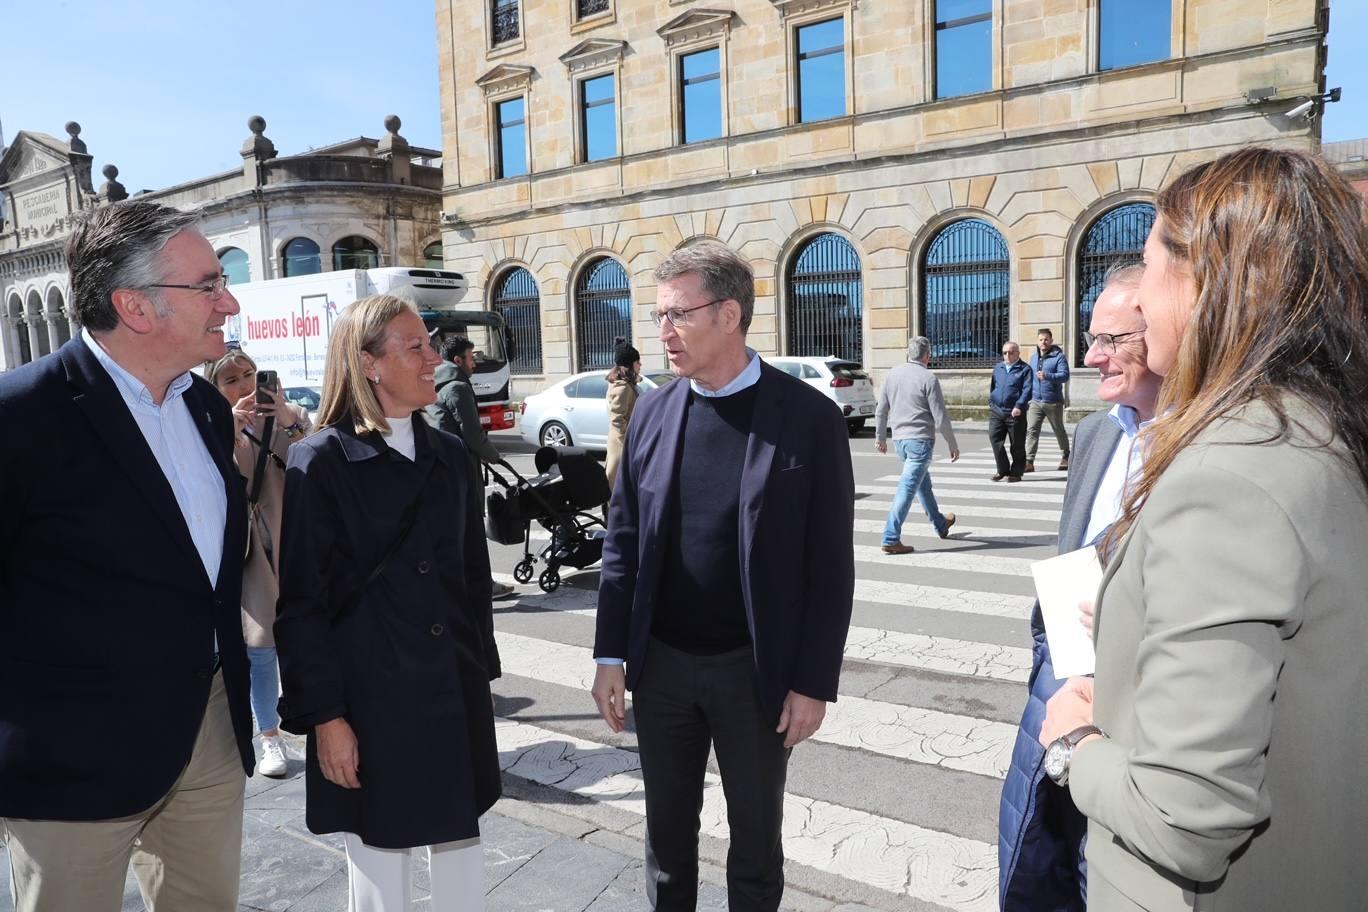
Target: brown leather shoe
pixel 898 548
pixel 949 521
pixel 998 477
pixel 1064 464
pixel 1030 467
pixel 1011 478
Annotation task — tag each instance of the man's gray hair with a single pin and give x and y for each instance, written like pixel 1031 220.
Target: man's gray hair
pixel 1123 275
pixel 115 247
pixel 723 271
pixel 918 348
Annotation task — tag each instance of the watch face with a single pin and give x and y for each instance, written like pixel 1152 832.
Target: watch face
pixel 1056 758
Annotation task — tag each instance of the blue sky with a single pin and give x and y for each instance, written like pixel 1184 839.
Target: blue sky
pixel 163 88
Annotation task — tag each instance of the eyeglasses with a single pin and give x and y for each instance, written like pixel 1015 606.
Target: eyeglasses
pixel 679 316
pixel 213 289
pixel 1109 341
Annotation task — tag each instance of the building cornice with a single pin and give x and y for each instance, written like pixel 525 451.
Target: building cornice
pixel 696 25
pixel 790 8
pixel 592 53
pixel 506 77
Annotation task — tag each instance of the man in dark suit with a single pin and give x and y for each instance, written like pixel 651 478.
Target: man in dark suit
pixel 125 730
pixel 1040 831
pixel 727 583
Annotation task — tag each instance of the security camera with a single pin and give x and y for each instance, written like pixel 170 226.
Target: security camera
pixel 1306 109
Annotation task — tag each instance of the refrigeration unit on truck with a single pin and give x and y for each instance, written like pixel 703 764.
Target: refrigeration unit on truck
pixel 285 325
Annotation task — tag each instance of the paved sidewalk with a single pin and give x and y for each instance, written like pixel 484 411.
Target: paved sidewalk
pixel 537 859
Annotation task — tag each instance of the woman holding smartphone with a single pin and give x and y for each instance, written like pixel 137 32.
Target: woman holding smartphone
pixel 236 376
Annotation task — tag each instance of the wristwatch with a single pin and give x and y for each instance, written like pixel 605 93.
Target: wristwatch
pixel 1059 755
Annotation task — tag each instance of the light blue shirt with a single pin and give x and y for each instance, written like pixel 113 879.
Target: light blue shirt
pixel 1122 471
pixel 175 441
pixel 749 376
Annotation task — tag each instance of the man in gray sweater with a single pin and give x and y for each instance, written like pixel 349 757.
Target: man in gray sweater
pixel 911 404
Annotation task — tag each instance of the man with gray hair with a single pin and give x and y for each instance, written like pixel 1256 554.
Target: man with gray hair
pixel 728 580
pixel 911 403
pixel 125 728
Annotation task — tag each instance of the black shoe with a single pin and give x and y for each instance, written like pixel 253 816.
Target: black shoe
pixel 1014 478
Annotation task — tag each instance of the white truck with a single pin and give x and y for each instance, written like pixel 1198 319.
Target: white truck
pixel 285 325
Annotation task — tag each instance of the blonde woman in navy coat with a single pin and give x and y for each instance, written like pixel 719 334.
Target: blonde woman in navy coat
pixel 385 626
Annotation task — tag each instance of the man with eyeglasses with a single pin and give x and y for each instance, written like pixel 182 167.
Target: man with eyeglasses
pixel 728 580
pixel 125 728
pixel 1008 393
pixel 1040 856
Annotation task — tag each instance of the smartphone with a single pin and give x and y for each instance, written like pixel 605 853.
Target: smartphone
pixel 266 387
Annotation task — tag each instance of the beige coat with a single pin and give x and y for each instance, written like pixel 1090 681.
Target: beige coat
pixel 1231 679
pixel 260 587
pixel 622 398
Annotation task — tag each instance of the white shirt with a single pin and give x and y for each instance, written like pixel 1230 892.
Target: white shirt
pixel 185 460
pixel 1122 472
pixel 749 376
pixel 400 437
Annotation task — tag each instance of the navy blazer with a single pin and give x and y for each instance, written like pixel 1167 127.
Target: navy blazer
pixel 797 520
pixel 107 618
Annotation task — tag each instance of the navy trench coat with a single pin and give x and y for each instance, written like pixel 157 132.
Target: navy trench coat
pixel 409 664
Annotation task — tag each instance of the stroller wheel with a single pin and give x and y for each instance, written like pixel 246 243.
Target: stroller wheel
pixel 549 581
pixel 523 572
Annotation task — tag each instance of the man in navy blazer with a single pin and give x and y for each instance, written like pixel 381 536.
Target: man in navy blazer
pixel 727 583
pixel 125 731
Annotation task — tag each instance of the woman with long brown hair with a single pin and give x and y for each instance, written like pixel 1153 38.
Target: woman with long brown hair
pixel 1231 697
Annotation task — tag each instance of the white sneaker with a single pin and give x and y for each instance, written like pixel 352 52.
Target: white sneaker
pixel 273 762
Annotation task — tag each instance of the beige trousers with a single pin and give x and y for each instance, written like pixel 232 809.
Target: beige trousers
pixel 186 850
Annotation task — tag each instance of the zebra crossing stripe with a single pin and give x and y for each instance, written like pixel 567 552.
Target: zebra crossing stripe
pixel 999 493
pixel 891 855
pixel 910 733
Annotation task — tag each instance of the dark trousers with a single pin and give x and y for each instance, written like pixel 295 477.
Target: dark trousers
pixel 1001 426
pixel 682 705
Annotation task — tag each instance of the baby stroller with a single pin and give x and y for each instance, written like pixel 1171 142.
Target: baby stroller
pixel 569 482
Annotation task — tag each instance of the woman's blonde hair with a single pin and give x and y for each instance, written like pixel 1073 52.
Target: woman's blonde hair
pixel 1276 242
pixel 234 356
pixel 347 392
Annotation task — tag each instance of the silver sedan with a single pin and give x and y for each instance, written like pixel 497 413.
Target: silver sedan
pixel 574 411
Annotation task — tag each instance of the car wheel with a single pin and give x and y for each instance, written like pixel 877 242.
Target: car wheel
pixel 856 426
pixel 555 434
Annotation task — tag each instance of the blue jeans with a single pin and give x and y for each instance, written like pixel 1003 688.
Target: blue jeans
pixel 265 686
pixel 915 481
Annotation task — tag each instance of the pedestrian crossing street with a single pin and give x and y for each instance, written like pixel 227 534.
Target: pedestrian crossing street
pixel 898 792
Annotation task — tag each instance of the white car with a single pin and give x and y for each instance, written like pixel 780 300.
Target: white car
pixel 574 412
pixel 843 382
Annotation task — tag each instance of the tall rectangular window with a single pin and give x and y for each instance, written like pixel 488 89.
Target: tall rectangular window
pixel 700 81
pixel 504 14
pixel 1134 32
pixel 964 47
pixel 511 116
pixel 821 70
pixel 598 118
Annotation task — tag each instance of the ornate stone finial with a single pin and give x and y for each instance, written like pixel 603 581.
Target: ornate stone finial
pixel 111 191
pixel 75 142
pixel 257 145
pixel 396 149
pixel 393 123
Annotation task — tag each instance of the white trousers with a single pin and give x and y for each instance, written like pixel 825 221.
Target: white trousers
pixel 381 880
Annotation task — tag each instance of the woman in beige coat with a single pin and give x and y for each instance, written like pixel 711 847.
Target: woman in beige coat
pixel 1231 701
pixel 622 399
pixel 235 375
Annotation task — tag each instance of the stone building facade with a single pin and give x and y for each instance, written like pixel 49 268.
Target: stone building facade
pixel 352 204
pixel 962 170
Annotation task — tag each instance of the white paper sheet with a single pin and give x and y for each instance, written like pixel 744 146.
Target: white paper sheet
pixel 1061 583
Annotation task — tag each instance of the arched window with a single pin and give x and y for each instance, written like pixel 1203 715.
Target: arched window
pixel 38 327
pixel 301 257
pixel 61 327
pixel 826 300
pixel 516 297
pixel 1115 239
pixel 355 252
pixel 432 255
pixel 966 283
pixel 603 312
pixel 235 265
pixel 17 333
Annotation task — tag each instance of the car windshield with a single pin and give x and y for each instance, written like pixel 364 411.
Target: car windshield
pixel 847 370
pixel 305 397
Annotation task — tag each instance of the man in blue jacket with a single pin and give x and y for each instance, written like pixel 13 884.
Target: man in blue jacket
pixel 1050 371
pixel 1007 399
